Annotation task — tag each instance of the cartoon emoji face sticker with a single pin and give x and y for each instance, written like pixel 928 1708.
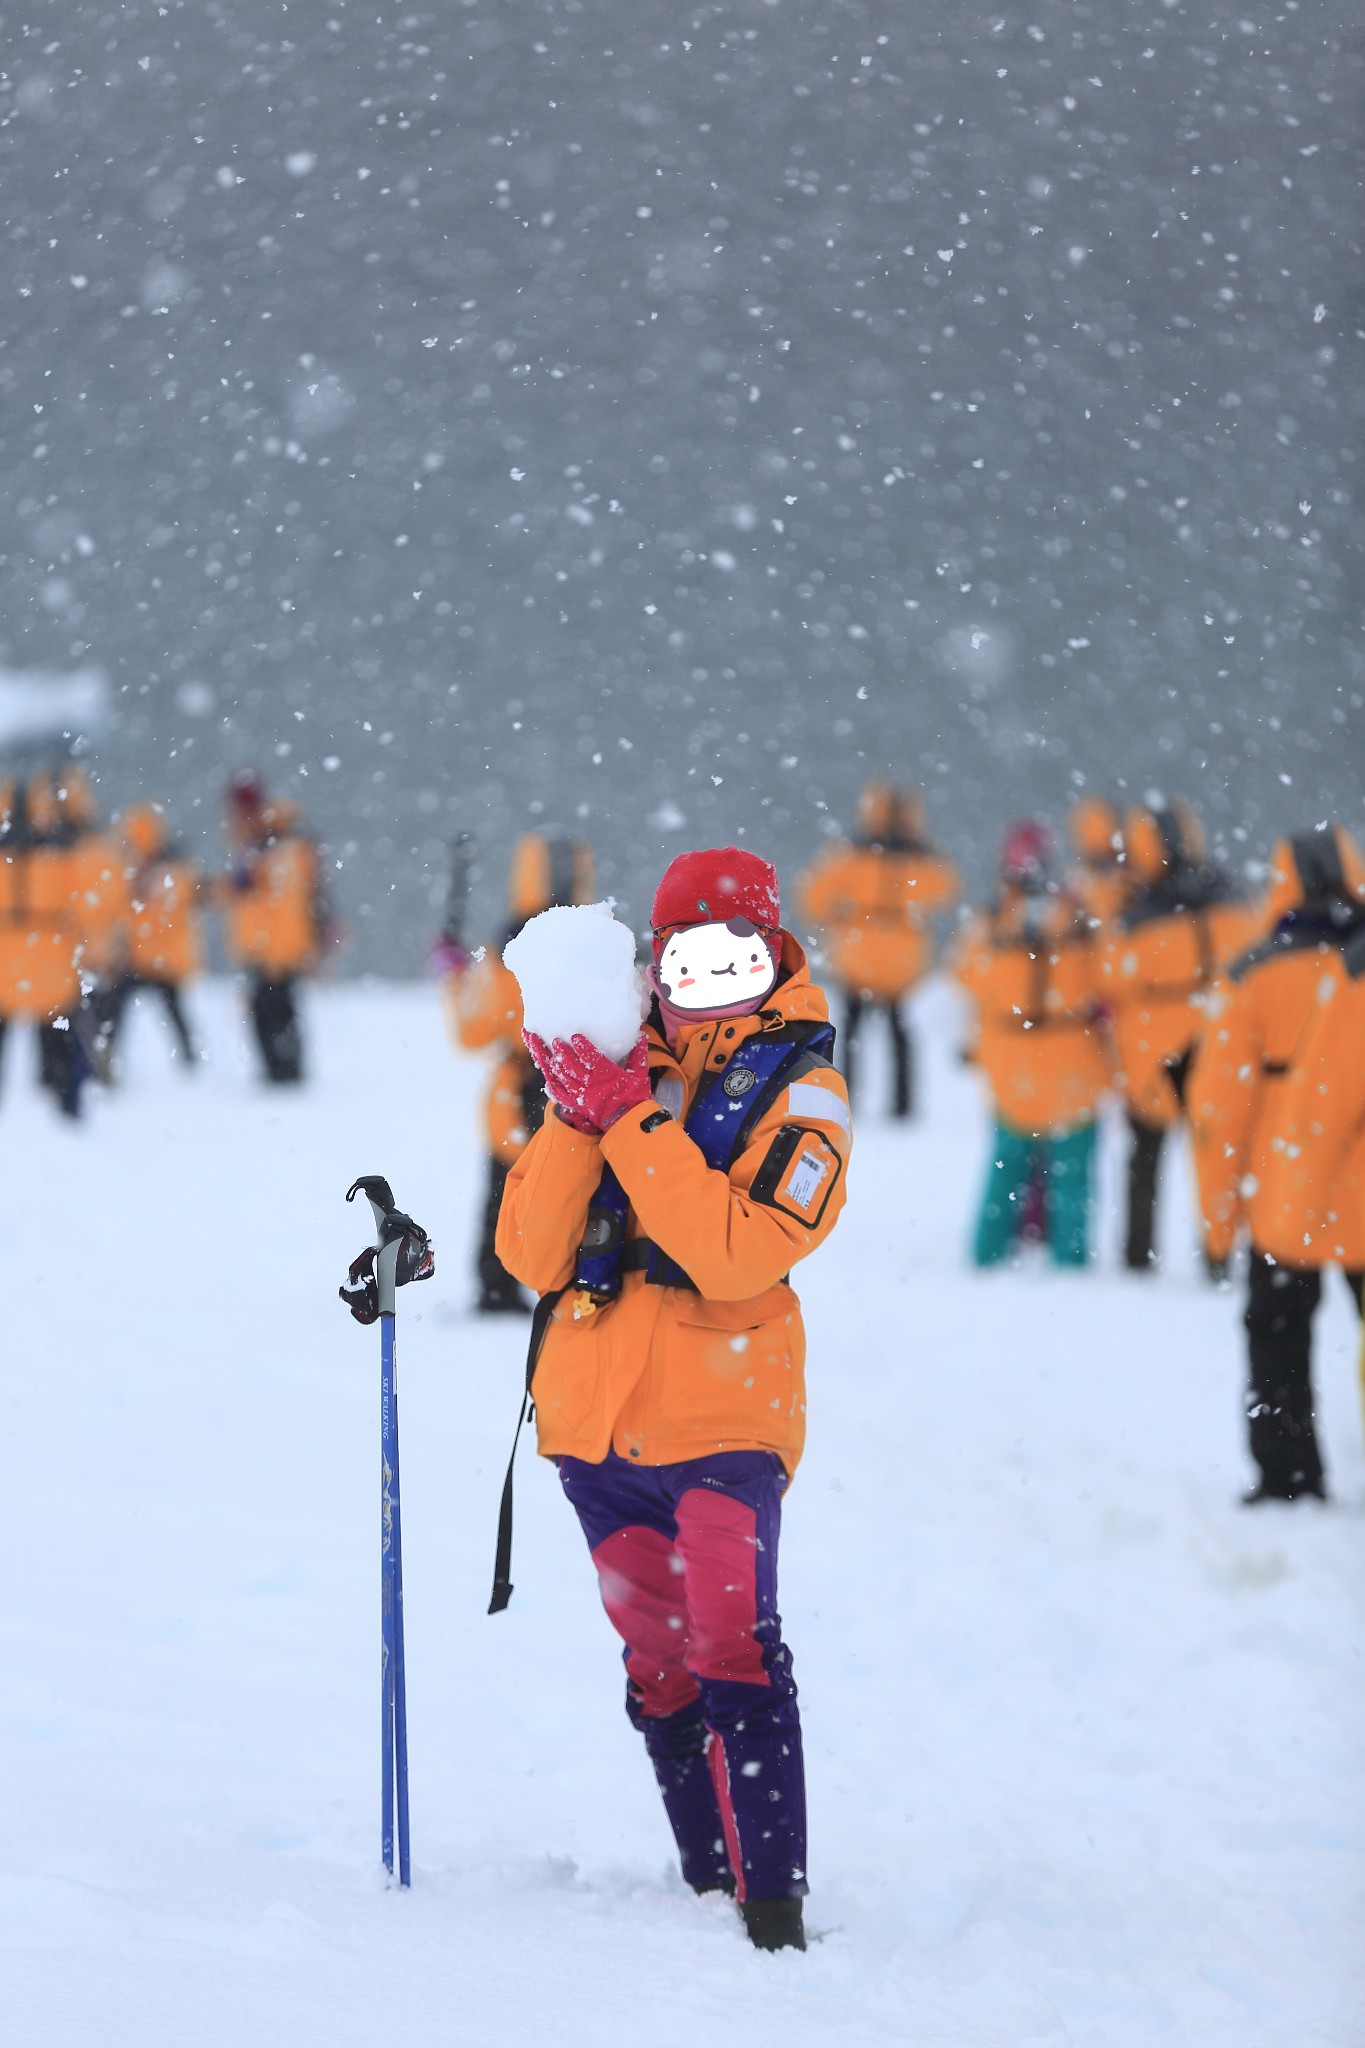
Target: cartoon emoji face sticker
pixel 712 966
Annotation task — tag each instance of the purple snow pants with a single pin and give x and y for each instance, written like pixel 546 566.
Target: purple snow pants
pixel 686 1558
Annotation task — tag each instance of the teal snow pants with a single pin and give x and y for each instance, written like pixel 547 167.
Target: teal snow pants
pixel 1046 1180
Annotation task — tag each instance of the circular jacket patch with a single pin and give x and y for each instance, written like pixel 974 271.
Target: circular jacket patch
pixel 739 1082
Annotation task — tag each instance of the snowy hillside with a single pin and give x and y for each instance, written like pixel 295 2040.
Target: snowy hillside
pixel 1084 1739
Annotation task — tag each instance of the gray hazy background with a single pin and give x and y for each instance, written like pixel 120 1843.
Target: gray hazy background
pixel 654 418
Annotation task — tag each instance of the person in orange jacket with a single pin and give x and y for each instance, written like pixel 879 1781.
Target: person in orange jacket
pixel 1277 1105
pixel 482 1007
pixel 63 804
pixel 163 948
pixel 1099 876
pixel 1030 967
pixel 274 914
pixel 658 1213
pixel 874 897
pixel 1181 922
pixel 60 898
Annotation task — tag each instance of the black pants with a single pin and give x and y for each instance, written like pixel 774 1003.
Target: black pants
pixel 274 1013
pixel 63 1065
pixel 1279 1323
pixel 1144 1171
pixel 1144 1162
pixel 902 1050
pixel 498 1291
pixel 116 1003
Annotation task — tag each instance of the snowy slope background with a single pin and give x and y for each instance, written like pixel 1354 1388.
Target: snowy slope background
pixel 1085 1747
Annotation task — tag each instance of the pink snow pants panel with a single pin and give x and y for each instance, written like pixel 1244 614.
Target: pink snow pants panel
pixel 686 1610
pixel 641 1579
pixel 718 1547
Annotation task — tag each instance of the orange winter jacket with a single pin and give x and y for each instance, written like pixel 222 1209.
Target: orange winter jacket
pixel 1312 1212
pixel 60 909
pixel 1103 887
pixel 269 905
pixel 481 1004
pixel 874 904
pixel 1031 969
pixel 164 941
pixel 1257 1018
pixel 663 1373
pixel 101 901
pixel 1157 966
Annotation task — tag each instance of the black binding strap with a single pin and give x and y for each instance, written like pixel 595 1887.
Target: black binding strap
pixel 634 1259
pixel 1286 938
pixel 502 1560
pixel 1317 856
pixel 1172 838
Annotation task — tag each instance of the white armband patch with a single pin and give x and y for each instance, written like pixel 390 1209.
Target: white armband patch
pixel 669 1094
pixel 818 1105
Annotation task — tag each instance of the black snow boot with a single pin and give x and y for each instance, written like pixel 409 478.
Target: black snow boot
pixel 1307 1489
pixel 774 1923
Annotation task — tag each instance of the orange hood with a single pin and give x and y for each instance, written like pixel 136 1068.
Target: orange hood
pixel 1094 830
pixel 1159 836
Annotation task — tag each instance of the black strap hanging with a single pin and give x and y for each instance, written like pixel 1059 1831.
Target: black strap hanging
pixel 502 1560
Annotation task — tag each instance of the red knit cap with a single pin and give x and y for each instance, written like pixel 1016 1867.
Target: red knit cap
pixel 1026 853
pixel 713 886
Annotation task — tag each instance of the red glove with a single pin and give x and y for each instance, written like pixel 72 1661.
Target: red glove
pixel 591 1090
pixel 559 1081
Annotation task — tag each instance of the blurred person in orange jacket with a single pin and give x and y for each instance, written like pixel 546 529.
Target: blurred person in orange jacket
pixel 1277 1104
pixel 60 899
pixel 873 897
pixel 274 914
pixel 163 947
pixel 1098 877
pixel 1030 967
pixel 658 1213
pixel 481 1004
pixel 98 874
pixel 1181 922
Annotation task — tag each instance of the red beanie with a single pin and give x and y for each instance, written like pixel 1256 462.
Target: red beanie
pixel 246 792
pixel 1026 854
pixel 713 886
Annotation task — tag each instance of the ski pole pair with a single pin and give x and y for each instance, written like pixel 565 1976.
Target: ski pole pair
pixel 401 1252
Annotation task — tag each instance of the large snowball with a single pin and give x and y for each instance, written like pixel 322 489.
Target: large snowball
pixel 576 968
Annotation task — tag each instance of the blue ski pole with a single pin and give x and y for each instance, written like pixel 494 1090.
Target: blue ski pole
pixel 393 1703
pixel 402 1252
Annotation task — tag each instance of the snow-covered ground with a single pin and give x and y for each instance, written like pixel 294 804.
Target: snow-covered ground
pixel 1086 1748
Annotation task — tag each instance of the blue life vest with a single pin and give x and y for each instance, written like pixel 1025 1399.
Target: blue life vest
pixel 730 1104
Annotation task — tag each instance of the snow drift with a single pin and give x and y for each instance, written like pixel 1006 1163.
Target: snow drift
pixel 1084 1739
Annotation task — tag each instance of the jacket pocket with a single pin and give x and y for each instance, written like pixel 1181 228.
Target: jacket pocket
pixel 733 1368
